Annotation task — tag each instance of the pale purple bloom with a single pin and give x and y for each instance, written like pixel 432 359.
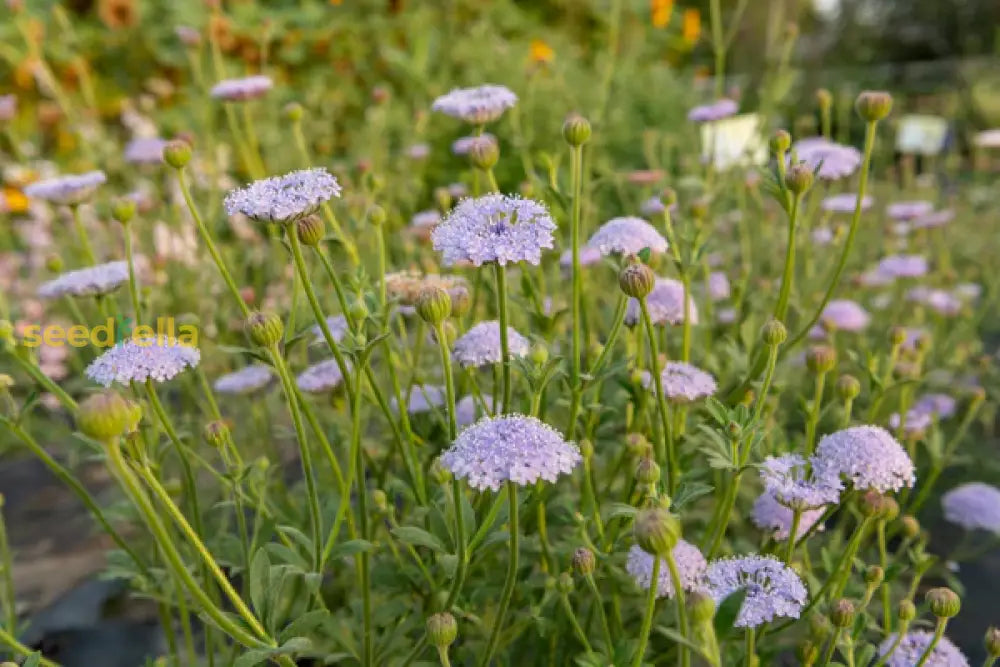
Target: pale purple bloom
pixel 514 448
pixel 846 203
pixel 320 378
pixel 912 336
pixel 92 281
pixel 68 190
pixel 988 138
pixel 685 383
pixel 726 315
pixel 145 150
pixel 665 304
pixel 479 105
pixel 157 358
pixel 968 291
pixel 240 90
pixel 457 190
pixel 845 315
pixel 770 515
pixel 627 236
pixel 934 219
pixel 425 219
pixel 973 506
pixel 941 406
pixel 717 110
pixel 822 236
pixel 480 345
pixel 284 198
pixel 8 107
pixel 464 145
pixel 588 256
pixel 868 456
pixel 245 380
pixel 423 398
pixel 189 36
pixel 690 563
pixel 833 160
pixel 468 410
pixel 901 229
pixel 494 228
pixel 940 301
pixel 903 266
pixel 909 210
pixel 718 286
pixel 337 324
pixel 912 647
pixel 652 206
pixel 795 484
pixel 773 590
pixel 418 151
pixel 916 422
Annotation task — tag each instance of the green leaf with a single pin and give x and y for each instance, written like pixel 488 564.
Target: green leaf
pixel 260 573
pixel 33 660
pixel 349 548
pixel 645 254
pixel 253 657
pixel 725 615
pixel 619 510
pixel 677 637
pixel 688 492
pixel 418 537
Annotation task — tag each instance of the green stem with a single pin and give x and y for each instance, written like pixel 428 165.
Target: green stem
pixel 575 624
pixel 598 602
pixel 576 179
pixel 903 625
pixel 938 634
pixel 792 534
pixel 684 654
pixel 133 289
pixel 81 234
pixel 718 48
pixel 883 561
pixel 647 619
pixel 11 641
pixel 508 587
pixel 830 648
pixel 788 275
pixel 9 592
pixel 45 381
pixel 666 453
pixel 501 277
pixel 364 558
pixel 813 417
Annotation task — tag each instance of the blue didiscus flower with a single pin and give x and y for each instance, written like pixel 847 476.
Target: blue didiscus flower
pixel 494 228
pixel 157 358
pixel 480 345
pixel 91 281
pixel 284 198
pixel 773 589
pixel 69 190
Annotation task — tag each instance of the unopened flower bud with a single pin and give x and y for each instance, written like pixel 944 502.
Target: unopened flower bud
pixel 821 359
pixel 842 613
pixel 656 531
pixel 484 153
pixel 433 304
pixel 539 354
pixel 780 142
pixel 824 99
pixel 294 112
pixel 637 280
pixel 216 433
pixel 637 445
pixel 584 561
pixel 874 576
pixel 992 642
pixel 376 215
pixel 564 584
pixel 889 510
pixel 799 178
pixel 106 416
pixel 668 196
pixel 358 310
pixel 819 628
pixel 911 527
pixel 907 611
pixel 698 209
pixel 944 602
pixel 177 154
pixel 265 329
pixel 701 606
pixel 461 301
pixel 807 652
pixel 123 210
pixel 873 105
pixel 442 629
pixel 897 336
pixel 310 230
pixel 647 472
pixel 54 263
pixel 848 387
pixel 443 198
pixel 774 333
pixel 576 130
pixel 380 501
pixel 872 504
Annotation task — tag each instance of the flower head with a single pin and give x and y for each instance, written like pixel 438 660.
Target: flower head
pixel 337 324
pixel 941 406
pixel 911 648
pixel 845 315
pixel 834 161
pixel 92 281
pixel 718 286
pixel 283 198
pixel 909 210
pixel 479 105
pixel 320 378
pixel 494 228
pixel 773 590
pixel 480 345
pixel 685 383
pixel 468 410
pixel 665 304
pixel 627 236
pixel 157 358
pixel 423 398
pixel 691 566
pixel 868 456
pixel 902 266
pixel 770 515
pixel 463 145
pixel 245 380
pixel 916 422
pixel 405 286
pixel 588 256
pixel 934 219
pixel 69 190
pixel 514 448
pixel 792 483
pixel 8 107
pixel 973 506
pixel 940 301
pixel 145 150
pixel 845 203
pixel 240 90
pixel 717 110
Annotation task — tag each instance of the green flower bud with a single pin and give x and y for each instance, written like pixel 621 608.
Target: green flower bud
pixel 106 416
pixel 265 329
pixel 656 531
pixel 576 130
pixel 872 504
pixel 539 354
pixel 358 310
pixel 586 448
pixel 565 583
pixel 461 302
pixel 637 280
pixel 584 561
pixel 442 629
pixel 647 472
pixel 911 527
pixel 216 433
pixel 992 642
pixel 774 333
pixel 907 611
pixel 944 602
pixel 701 607
pixel 897 336
pixel 874 576
pixel 294 112
pixel 376 215
pixel 439 473
pixel 484 153
pixel 380 501
pixel 177 154
pixel 54 263
pixel 842 613
pixel 698 209
pixel 433 305
pixel 819 628
pixel 873 105
pixel 821 359
pixel 807 652
pixel 310 230
pixel 780 142
pixel 123 210
pixel 637 445
pixel 848 387
pixel 443 198
pixel 668 196
pixel 824 99
pixel 799 178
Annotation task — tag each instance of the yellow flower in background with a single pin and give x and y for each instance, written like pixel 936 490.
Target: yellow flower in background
pixel 660 11
pixel 692 25
pixel 13 200
pixel 541 53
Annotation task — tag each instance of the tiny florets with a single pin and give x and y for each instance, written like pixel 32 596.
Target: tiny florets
pixel 845 203
pixel 770 515
pixel 868 456
pixel 283 198
pixel 68 190
pixel 691 566
pixel 320 378
pixel 477 106
pixel 912 647
pixel 793 484
pixel 514 448
pixel 156 358
pixel 92 281
pixel 480 345
pixel 665 304
pixel 909 210
pixel 773 589
pixel 423 398
pixel 245 380
pixel 685 383
pixel 494 228
pixel 833 161
pixel 145 150
pixel 718 110
pixel 240 90
pixel 973 506
pixel 627 236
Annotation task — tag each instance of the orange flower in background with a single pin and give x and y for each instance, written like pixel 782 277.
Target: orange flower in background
pixel 660 11
pixel 117 14
pixel 541 53
pixel 13 201
pixel 692 25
